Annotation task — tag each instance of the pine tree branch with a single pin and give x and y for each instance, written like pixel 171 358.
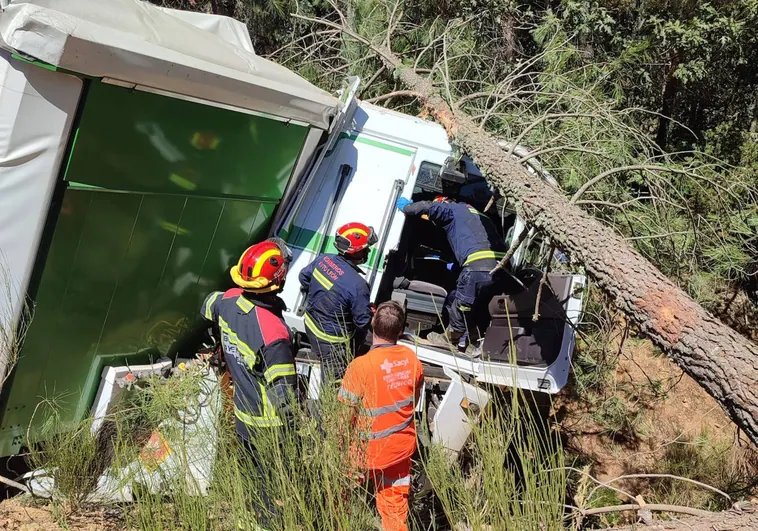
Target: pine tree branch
pixel 396 94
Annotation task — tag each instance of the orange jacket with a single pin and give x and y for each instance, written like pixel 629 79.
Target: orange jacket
pixel 383 385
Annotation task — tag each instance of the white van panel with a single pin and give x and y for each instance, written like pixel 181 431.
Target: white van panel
pixel 37 109
pixel 365 197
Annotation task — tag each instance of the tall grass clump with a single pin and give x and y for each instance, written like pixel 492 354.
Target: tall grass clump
pixel 510 475
pixel 306 472
pixel 713 460
pixel 72 459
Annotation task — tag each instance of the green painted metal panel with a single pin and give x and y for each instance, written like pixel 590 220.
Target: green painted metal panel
pixel 134 253
pixel 137 141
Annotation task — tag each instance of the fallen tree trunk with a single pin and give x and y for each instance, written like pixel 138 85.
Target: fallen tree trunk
pixel 718 358
pixel 726 521
pixel 721 360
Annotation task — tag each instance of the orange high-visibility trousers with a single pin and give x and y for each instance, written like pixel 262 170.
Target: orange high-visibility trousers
pixel 393 485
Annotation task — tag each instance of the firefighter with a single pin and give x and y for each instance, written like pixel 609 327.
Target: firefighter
pixel 382 387
pixel 258 351
pixel 477 247
pixel 338 312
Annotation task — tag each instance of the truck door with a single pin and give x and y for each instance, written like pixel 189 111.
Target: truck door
pixel 517 349
pixel 537 336
pixel 359 181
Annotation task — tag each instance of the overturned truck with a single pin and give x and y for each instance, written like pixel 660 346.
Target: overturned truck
pixel 144 148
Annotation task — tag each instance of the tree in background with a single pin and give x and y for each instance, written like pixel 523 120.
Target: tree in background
pixel 585 87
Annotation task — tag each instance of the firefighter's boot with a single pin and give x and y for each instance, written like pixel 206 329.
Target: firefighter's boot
pixel 448 340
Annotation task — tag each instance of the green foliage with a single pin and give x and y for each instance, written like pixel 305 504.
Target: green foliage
pixel 707 459
pixel 513 476
pixel 308 472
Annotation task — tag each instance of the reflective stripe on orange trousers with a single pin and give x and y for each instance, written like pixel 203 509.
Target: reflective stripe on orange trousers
pixel 393 485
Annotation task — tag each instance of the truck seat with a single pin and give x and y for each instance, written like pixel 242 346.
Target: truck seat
pixel 536 343
pixel 421 296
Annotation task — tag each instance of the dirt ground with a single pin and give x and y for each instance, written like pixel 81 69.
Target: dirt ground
pixel 680 411
pixel 23 514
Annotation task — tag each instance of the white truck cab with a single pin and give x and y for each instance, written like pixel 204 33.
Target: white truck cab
pixel 373 157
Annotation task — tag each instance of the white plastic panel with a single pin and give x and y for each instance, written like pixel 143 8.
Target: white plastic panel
pixel 37 108
pixel 452 422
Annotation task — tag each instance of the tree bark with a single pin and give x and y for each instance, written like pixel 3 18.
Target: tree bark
pixel 670 90
pixel 727 521
pixel 722 361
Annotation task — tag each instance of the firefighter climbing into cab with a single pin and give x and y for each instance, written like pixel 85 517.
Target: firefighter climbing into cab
pixel 258 351
pixel 338 310
pixel 477 248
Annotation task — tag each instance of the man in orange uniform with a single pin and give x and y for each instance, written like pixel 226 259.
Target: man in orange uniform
pixel 383 387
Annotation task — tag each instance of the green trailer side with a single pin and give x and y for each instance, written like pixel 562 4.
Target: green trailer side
pixel 161 196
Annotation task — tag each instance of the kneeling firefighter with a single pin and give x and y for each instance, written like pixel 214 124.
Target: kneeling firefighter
pixel 338 312
pixel 258 351
pixel 477 247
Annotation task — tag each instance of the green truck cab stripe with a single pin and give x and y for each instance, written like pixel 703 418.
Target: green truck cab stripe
pixel 362 139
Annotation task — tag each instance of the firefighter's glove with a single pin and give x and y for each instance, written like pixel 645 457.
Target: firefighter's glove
pixel 402 203
pixel 282 398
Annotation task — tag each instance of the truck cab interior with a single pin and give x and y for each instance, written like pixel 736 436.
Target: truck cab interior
pixel 422 273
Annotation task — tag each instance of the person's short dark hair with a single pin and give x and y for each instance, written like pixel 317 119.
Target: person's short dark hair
pixel 389 320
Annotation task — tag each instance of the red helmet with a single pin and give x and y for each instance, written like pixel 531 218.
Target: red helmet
pixel 441 199
pixel 354 237
pixel 261 268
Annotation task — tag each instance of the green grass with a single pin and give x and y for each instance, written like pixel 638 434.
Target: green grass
pixel 711 460
pixel 510 475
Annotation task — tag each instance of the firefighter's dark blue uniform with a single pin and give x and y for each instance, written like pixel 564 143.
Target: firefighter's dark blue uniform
pixel 477 247
pixel 260 358
pixel 259 355
pixel 338 312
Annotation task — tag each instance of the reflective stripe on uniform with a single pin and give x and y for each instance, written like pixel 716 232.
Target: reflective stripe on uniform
pixel 244 304
pixel 321 279
pixel 397 406
pixel 268 408
pixel 257 422
pixel 323 336
pixel 248 355
pixel 348 396
pixel 482 255
pixel 389 431
pixel 209 305
pixel 396 482
pixel 278 371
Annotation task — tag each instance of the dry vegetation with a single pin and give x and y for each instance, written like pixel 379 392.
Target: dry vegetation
pixel 632 426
